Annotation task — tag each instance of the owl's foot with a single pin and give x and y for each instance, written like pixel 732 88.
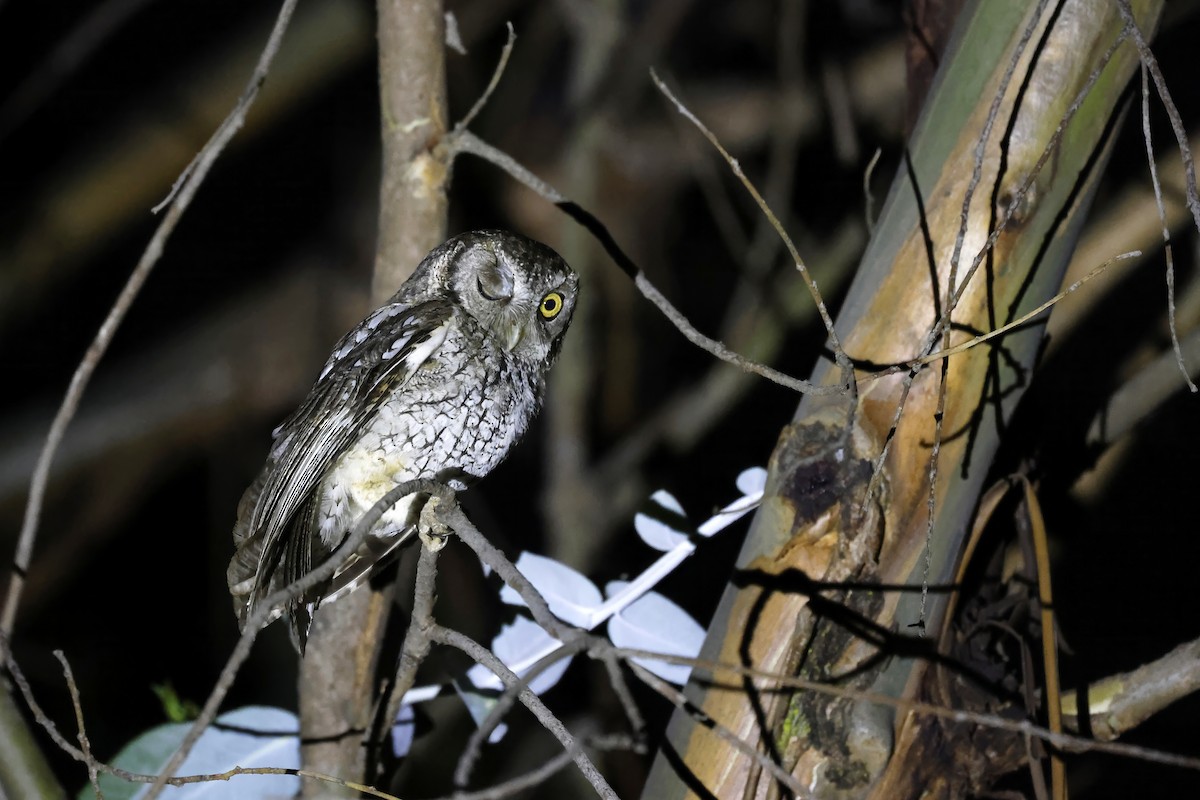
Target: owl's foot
pixel 433 532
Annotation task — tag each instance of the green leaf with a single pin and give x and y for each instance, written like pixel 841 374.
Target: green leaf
pixel 175 707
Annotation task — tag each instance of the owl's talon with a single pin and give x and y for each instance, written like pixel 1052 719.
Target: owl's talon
pixel 432 531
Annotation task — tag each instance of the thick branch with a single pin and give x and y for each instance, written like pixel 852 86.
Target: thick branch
pixel 338 677
pixel 1120 703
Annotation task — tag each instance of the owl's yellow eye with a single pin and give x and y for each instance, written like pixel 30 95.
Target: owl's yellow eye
pixel 551 305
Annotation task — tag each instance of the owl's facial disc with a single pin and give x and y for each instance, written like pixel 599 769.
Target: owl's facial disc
pixel 520 292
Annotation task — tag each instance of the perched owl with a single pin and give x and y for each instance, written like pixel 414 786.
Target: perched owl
pixel 439 383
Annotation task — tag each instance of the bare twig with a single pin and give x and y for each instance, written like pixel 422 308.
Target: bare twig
pixel 134 777
pixel 680 701
pixel 452 514
pixel 188 184
pixel 538 776
pixel 466 142
pixel 616 679
pixel 530 700
pixel 263 614
pixel 416 638
pixel 1160 83
pixel 85 746
pixel 1168 250
pixel 1019 321
pixel 491 87
pixel 839 355
pixel 1065 741
pixel 504 703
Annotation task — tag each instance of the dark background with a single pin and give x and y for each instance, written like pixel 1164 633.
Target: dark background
pixel 271 264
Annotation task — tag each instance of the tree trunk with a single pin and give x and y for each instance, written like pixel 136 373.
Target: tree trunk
pixel 808 597
pixel 340 675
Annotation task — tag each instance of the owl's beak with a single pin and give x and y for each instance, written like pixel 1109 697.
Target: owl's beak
pixel 513 332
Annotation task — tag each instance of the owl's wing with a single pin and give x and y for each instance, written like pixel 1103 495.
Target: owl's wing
pixel 368 363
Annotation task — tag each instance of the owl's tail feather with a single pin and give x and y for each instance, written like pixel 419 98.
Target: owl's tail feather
pixel 242 574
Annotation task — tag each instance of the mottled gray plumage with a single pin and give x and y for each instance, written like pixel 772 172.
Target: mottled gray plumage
pixel 438 383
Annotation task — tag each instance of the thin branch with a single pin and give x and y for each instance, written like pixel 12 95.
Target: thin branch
pixel 1151 63
pixel 839 355
pixel 85 746
pixel 1019 321
pixel 720 350
pixel 1168 250
pixel 266 609
pixel 134 777
pixel 452 514
pixel 504 703
pixel 416 638
pixel 1064 741
pixel 466 142
pixel 497 73
pixel 188 184
pixel 530 700
pixel 1119 703
pixel 540 775
pixel 616 679
pixel 680 701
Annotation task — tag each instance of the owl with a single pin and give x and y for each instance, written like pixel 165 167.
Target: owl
pixel 439 383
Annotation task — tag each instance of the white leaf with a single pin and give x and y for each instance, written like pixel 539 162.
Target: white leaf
pixel 519 645
pixel 652 622
pixel 255 736
pixel 752 481
pixel 403 731
pixel 571 596
pixel 666 528
pixel 479 706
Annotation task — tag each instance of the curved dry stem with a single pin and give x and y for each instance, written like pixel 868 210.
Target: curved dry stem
pixel 1065 741
pixel 680 701
pixel 504 703
pixel 416 638
pixel 1168 250
pixel 497 73
pixel 263 613
pixel 839 354
pixel 530 700
pixel 466 142
pixel 1016 323
pixel 180 198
